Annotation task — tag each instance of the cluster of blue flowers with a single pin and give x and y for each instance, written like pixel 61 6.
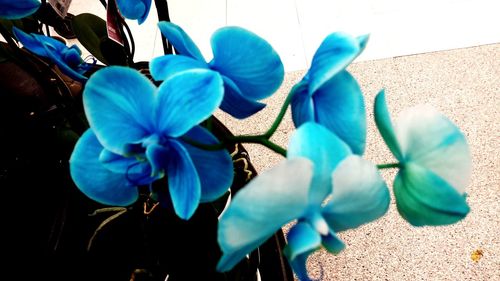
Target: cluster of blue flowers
pixel 138 135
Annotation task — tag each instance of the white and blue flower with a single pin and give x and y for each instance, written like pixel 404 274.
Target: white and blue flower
pixel 135 138
pixel 249 66
pixel 434 161
pixel 322 184
pixel 329 95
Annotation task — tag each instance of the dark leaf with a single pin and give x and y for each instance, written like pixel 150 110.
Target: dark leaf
pixel 92 33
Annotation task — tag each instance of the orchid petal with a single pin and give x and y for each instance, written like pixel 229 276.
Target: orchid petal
pixel 183 181
pixel 302 105
pixel 302 241
pixel 339 106
pixel 236 104
pixel 431 140
pixel 118 112
pixel 215 168
pixel 384 125
pixel 423 198
pixel 18 9
pixel 165 66
pixel 181 41
pixel 134 9
pixel 94 180
pixel 359 196
pixel 334 54
pixel 248 60
pixel 299 267
pixel 325 150
pixel 67 59
pixel 65 68
pixel 362 41
pixel 136 171
pixel 332 243
pixel 301 238
pixel 31 42
pixel 157 156
pixel 186 99
pixel 270 200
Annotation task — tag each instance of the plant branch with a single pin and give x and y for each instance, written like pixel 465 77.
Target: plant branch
pixel 388 166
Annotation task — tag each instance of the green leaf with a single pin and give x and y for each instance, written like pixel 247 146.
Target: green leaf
pixel 92 33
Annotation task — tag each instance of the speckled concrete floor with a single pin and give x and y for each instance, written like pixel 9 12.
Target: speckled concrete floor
pixel 463 84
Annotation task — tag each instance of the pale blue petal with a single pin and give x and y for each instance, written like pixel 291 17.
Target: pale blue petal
pixel 302 105
pixel 248 60
pixel 134 9
pixel 359 195
pixel 423 198
pixel 17 9
pixel 186 99
pixel 384 125
pixel 183 180
pixel 236 104
pixel 181 41
pixel 362 41
pixel 94 180
pixel 302 241
pixel 299 267
pixel 269 201
pixel 428 138
pixel 35 42
pixel 136 170
pixel 340 107
pixel 334 54
pixel 215 168
pixel 67 59
pixel 301 238
pixel 325 150
pixel 118 104
pixel 157 156
pixel 332 243
pixel 165 66
pixel 71 70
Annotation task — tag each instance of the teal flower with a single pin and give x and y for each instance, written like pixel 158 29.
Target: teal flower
pixel 321 184
pixel 134 9
pixel 250 68
pixel 329 95
pixel 16 9
pixel 435 164
pixel 135 138
pixel 68 59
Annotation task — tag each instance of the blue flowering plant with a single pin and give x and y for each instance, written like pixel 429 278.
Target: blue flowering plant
pixel 152 138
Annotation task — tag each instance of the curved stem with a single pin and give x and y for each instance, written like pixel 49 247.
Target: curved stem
pixel 388 166
pixel 238 139
pixel 261 139
pixel 280 116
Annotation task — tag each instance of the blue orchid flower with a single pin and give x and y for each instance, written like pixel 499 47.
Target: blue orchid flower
pixel 250 67
pixel 136 137
pixel 68 59
pixel 134 9
pixel 434 162
pixel 329 95
pixel 321 184
pixel 17 9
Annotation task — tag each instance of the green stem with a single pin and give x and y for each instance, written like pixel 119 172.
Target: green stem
pixel 280 116
pixel 238 139
pixel 262 139
pixel 388 166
